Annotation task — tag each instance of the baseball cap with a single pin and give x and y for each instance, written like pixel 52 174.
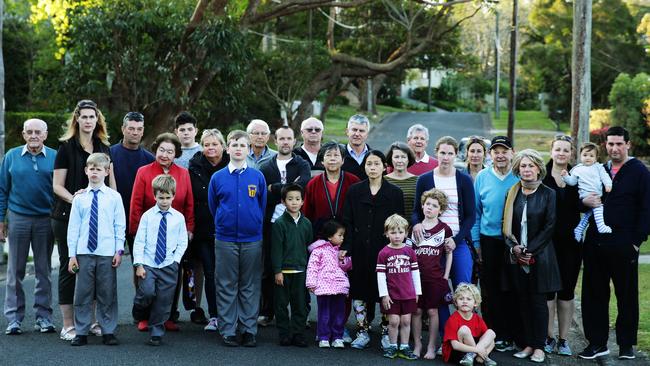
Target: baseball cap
pixel 501 140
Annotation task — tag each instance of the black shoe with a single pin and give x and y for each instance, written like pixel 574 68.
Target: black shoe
pixel 230 341
pixel 174 316
pixel 626 353
pixel 109 340
pixel 248 340
pixel 298 340
pixel 198 317
pixel 285 341
pixel 592 352
pixel 155 341
pixel 79 340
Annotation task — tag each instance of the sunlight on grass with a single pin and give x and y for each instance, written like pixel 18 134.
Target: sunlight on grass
pixel 529 120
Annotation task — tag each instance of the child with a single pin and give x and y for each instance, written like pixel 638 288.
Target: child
pixel 398 281
pixel 96 233
pixel 290 235
pixel 327 279
pixel 466 335
pixel 590 176
pixel 159 245
pixel 435 278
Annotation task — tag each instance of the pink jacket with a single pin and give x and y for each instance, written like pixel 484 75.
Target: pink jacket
pixel 325 273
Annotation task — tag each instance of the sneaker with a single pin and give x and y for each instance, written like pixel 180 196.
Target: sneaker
pixel 390 352
pixel 212 325
pixel 592 352
pixel 468 359
pixel 13 328
pixel 324 344
pixel 143 325
pixel 489 362
pixel 155 341
pixel 298 340
pixel 248 340
pixel 385 342
pixel 68 334
pixel 504 346
pixel 79 341
pixel 198 317
pixel 346 336
pixel 170 326
pixel 110 340
pixel 626 353
pixel 264 321
pixel 563 348
pixel 44 325
pixel 407 354
pixel 439 351
pixel 95 330
pixel 338 343
pixel 549 345
pixel 230 341
pixel 362 341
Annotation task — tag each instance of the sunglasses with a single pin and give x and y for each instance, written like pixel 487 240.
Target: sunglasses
pixel 562 137
pixel 313 129
pixel 86 103
pixel 134 116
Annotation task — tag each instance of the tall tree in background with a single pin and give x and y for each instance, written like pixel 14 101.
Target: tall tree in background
pixel 581 71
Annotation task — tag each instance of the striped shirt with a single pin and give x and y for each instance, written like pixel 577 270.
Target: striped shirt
pixel 450 215
pixel 408 188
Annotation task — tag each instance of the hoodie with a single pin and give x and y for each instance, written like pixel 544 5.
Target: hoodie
pixel 325 273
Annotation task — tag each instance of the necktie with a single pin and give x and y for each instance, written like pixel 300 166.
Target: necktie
pixel 92 229
pixel 161 243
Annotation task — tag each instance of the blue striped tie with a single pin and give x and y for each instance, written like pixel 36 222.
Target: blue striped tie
pixel 161 244
pixel 92 226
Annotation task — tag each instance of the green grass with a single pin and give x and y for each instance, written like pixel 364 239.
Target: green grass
pixel 337 117
pixel 529 120
pixel 645 248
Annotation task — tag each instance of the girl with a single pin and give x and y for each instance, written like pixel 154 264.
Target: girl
pixel 326 278
pixel 398 281
pixel 435 279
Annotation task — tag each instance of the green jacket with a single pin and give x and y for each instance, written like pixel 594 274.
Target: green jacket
pixel 289 242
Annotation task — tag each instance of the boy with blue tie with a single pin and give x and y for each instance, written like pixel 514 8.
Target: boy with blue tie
pixel 159 245
pixel 96 243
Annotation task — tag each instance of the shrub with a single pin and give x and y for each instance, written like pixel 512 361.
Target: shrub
pixel 14 127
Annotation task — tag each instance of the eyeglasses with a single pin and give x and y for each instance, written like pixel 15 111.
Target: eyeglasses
pixel 259 133
pixel 133 116
pixel 313 129
pixel 35 164
pixel 86 103
pixel 562 137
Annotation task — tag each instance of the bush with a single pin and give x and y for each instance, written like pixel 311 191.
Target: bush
pixel 393 101
pixel 600 118
pixel 627 98
pixel 14 126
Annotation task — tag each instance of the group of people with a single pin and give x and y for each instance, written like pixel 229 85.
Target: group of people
pixel 258 230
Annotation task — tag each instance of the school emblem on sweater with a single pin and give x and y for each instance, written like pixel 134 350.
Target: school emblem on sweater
pixel 252 190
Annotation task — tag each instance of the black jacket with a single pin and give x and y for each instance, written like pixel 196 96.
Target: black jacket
pixel 567 210
pixel 301 152
pixel 351 166
pixel 364 216
pixel 200 173
pixel 297 172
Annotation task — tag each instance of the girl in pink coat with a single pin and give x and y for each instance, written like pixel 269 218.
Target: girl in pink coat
pixel 327 279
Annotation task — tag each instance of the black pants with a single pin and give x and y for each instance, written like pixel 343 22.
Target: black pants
pixel 533 315
pixel 66 279
pixel 620 264
pixel 268 278
pixel 205 253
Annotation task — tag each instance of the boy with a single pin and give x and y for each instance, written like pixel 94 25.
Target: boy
pixel 96 233
pixel 159 245
pixel 290 236
pixel 237 198
pixel 186 131
pixel 466 335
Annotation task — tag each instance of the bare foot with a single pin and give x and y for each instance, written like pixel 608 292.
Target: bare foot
pixel 430 355
pixel 417 348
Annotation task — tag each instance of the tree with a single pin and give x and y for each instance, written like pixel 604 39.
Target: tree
pixel 630 99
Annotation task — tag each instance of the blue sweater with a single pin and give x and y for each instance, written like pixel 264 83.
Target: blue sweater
pixel 25 185
pixel 237 203
pixel 490 198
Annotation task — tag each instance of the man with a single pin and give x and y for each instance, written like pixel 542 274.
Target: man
pixel 128 156
pixel 26 198
pixel 311 130
pixel 615 256
pixel 186 131
pixel 357 149
pixel 491 187
pixel 282 169
pixel 417 137
pixel 259 134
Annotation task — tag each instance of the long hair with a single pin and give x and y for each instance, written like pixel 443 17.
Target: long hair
pixel 99 132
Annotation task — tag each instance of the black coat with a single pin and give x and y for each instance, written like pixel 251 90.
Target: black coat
pixel 200 173
pixel 544 273
pixel 364 216
pixel 350 165
pixel 318 167
pixel 297 172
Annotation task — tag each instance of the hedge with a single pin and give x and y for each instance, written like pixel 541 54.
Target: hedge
pixel 14 127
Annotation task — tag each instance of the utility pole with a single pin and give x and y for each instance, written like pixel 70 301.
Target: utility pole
pixel 2 87
pixel 512 100
pixel 497 68
pixel 581 71
pixel 428 87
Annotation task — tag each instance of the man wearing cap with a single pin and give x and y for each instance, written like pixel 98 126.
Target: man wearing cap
pixel 491 187
pixel 26 197
pixel 311 130
pixel 128 156
pixel 259 132
pixel 356 149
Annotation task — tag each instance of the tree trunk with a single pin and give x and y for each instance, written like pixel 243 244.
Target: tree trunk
pixel 512 100
pixel 2 86
pixel 581 71
pixel 377 83
pixel 162 118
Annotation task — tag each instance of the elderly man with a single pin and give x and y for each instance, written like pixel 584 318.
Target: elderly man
pixel 311 130
pixel 26 197
pixel 417 137
pixel 356 149
pixel 259 133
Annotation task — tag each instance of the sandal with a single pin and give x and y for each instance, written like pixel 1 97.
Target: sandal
pixel 67 334
pixel 95 329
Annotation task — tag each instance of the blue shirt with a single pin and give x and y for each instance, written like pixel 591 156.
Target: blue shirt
pixel 146 239
pixel 357 157
pixel 111 223
pixel 491 191
pixel 26 182
pixel 186 155
pixel 254 162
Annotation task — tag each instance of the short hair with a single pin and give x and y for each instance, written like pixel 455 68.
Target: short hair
pixel 167 137
pixel 311 119
pixel 330 228
pixel 284 128
pixel 185 117
pixel 332 145
pixel 589 146
pixel 39 121
pixel 447 140
pixel 164 183
pixel 235 135
pixel 99 160
pixel 258 122
pixel 395 221
pixel 437 195
pixel 213 132
pixel 618 131
pixel 376 153
pixel 532 155
pixel 470 289
pixel 398 145
pixel 132 116
pixel 291 187
pixel 359 119
pixel 417 128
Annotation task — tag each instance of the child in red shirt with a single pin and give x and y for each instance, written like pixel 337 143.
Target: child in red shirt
pixel 466 335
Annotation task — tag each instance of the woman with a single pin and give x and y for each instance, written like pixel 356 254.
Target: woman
pixel 400 157
pixel 476 153
pixel 85 134
pixel 369 204
pixel 568 251
pixel 201 251
pixel 532 271
pixel 166 148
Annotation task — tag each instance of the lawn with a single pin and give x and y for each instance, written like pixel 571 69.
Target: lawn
pixel 337 118
pixel 645 248
pixel 539 142
pixel 529 120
